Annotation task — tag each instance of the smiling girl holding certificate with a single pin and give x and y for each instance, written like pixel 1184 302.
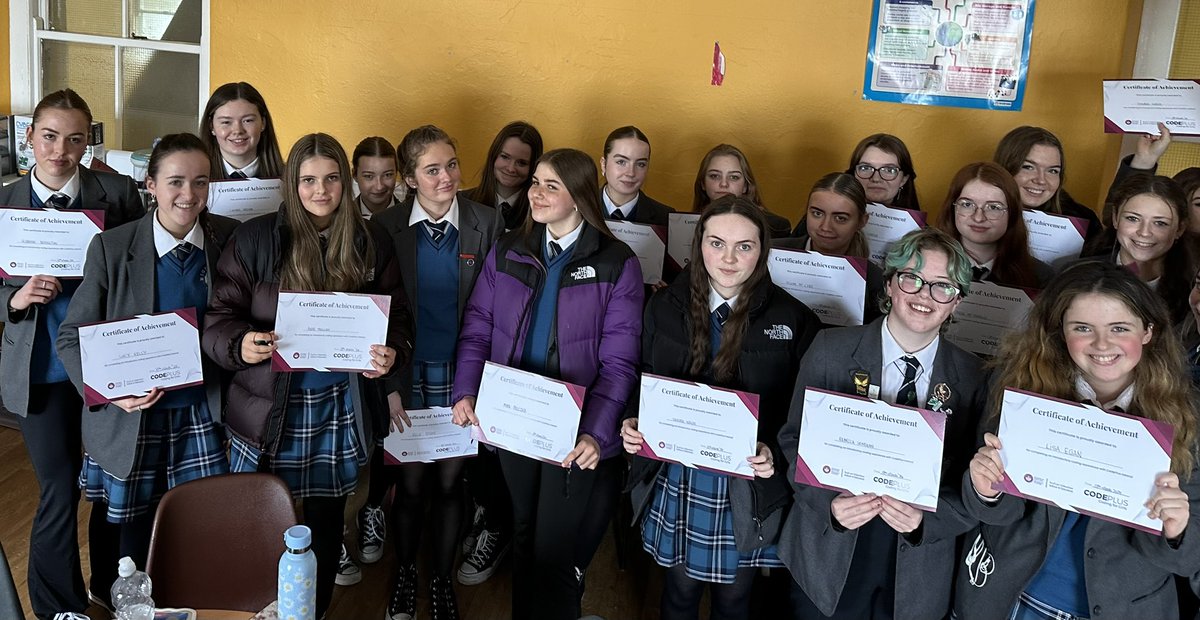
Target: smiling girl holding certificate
pixel 240 134
pixel 871 556
pixel 1096 335
pixel 738 331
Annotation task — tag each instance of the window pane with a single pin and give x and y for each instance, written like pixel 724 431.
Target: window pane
pixel 160 95
pixel 89 71
pixel 102 17
pixel 167 20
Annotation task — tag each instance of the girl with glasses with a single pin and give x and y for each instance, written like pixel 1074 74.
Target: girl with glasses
pixel 882 164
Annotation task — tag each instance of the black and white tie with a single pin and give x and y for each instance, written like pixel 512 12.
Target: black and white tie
pixel 438 230
pixel 182 251
pixel 979 273
pixel 554 249
pixel 618 216
pixel 907 395
pixel 238 174
pixel 58 201
pixel 721 314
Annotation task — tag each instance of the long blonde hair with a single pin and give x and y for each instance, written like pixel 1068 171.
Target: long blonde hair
pixel 345 263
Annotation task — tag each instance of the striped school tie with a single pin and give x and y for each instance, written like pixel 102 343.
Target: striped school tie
pixel 907 395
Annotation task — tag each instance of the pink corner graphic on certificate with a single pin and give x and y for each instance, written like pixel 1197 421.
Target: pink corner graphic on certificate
pixel 859 264
pixel 805 475
pixel 189 315
pixel 384 302
pixel 936 421
pixel 92 398
pixel 648 452
pixel 917 216
pixel 279 363
pixel 750 401
pixel 577 394
pixel 97 217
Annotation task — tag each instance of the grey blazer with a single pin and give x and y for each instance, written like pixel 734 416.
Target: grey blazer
pixel 119 282
pixel 814 547
pixel 478 228
pixel 118 197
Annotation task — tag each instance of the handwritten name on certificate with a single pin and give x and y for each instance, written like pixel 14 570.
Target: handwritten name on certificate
pixel 853 444
pixel 886 226
pixel 433 436
pixel 835 287
pixel 527 413
pixel 1082 458
pixel 328 332
pixel 698 425
pixel 46 241
pixel 681 229
pixel 243 199
pixel 129 357
pixel 987 314
pixel 648 242
pixel 1054 239
pixel 1138 106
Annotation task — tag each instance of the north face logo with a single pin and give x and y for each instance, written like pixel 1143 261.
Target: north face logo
pixel 778 332
pixel 583 273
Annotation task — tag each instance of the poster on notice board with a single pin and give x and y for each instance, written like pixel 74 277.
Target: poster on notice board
pixel 956 53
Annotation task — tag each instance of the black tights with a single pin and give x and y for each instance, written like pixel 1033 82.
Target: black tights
pixel 681 596
pixel 108 542
pixel 325 517
pixel 437 487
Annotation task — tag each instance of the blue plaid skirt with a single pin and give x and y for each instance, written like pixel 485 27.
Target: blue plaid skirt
pixel 690 522
pixel 432 383
pixel 173 447
pixel 319 453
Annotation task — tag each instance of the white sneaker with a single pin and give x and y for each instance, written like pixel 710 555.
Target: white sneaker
pixel 348 572
pixel 372 531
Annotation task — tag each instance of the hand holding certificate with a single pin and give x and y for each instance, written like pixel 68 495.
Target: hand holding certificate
pixel 132 356
pixel 433 436
pixel 698 425
pixel 328 332
pixel 46 241
pixel 528 414
pixel 1138 106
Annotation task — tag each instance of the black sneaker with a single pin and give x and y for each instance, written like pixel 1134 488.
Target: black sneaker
pixel 442 601
pixel 490 549
pixel 477 525
pixel 403 604
pixel 348 572
pixel 372 531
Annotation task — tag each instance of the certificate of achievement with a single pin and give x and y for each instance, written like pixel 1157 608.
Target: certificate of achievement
pixel 1082 458
pixel 987 314
pixel 1054 238
pixel 328 332
pixel 433 436
pixel 698 425
pixel 835 287
pixel 528 414
pixel 681 230
pixel 129 357
pixel 1138 106
pixel 648 242
pixel 858 445
pixel 243 199
pixel 886 226
pixel 46 241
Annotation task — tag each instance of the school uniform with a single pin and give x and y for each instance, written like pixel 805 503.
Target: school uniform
pixel 874 572
pixel 875 294
pixel 986 272
pixel 642 209
pixel 513 210
pixel 249 171
pixel 36 389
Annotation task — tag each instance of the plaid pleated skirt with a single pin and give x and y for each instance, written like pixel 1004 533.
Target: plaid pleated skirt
pixel 690 523
pixel 174 446
pixel 319 453
pixel 432 383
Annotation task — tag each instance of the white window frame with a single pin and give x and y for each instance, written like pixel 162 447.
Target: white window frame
pixel 26 32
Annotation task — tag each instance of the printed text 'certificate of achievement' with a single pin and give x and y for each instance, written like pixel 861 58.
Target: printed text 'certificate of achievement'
pixel 527 413
pixel 698 425
pixel 129 357
pixel 850 443
pixel 987 314
pixel 1138 106
pixel 243 199
pixel 835 287
pixel 1082 458
pixel 46 241
pixel 328 332
pixel 648 242
pixel 886 226
pixel 433 436
pixel 1054 238
pixel 681 229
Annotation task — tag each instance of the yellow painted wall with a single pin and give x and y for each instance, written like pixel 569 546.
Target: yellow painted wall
pixel 791 98
pixel 5 90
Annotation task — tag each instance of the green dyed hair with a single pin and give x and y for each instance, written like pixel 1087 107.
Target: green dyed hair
pixel 909 248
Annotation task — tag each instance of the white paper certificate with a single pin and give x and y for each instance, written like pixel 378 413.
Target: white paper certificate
pixel 46 241
pixel 328 332
pixel 886 226
pixel 648 242
pixel 243 199
pixel 129 357
pixel 835 287
pixel 433 436
pixel 1054 238
pixel 681 229
pixel 528 414
pixel 698 425
pixel 1138 106
pixel 1082 458
pixel 850 443
pixel 988 313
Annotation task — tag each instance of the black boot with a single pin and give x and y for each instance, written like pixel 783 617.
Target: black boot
pixel 403 604
pixel 442 600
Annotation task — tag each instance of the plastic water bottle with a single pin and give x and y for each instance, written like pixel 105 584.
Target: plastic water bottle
pixel 297 576
pixel 131 592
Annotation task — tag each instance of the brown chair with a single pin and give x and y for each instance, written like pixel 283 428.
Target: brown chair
pixel 217 541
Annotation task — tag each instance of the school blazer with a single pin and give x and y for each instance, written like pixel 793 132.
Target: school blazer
pixel 814 547
pixel 119 282
pixel 647 211
pixel 117 196
pixel 478 228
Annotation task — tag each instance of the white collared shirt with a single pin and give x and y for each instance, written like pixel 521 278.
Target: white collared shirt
pixel 366 211
pixel 1086 392
pixel 892 376
pixel 610 206
pixel 715 300
pixel 251 169
pixel 70 189
pixel 164 241
pixel 988 266
pixel 419 214
pixel 511 200
pixel 564 241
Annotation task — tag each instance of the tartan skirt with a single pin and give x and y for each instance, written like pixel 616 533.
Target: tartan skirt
pixel 690 523
pixel 319 453
pixel 174 446
pixel 432 383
